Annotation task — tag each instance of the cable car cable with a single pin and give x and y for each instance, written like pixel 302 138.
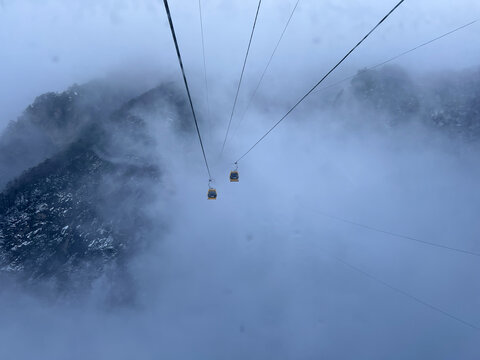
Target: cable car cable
pixel 400 55
pixel 406 294
pixel 324 77
pixel 241 76
pixel 167 9
pixel 204 57
pixel 371 228
pixel 266 68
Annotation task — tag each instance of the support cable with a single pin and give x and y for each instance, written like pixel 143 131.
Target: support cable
pixel 167 9
pixel 399 55
pixel 204 58
pixel 321 80
pixel 241 76
pixel 424 242
pixel 266 69
pixel 408 295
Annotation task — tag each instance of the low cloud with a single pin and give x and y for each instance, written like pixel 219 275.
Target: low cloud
pixel 254 274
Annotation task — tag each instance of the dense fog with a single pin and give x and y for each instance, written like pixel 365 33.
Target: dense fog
pixel 341 239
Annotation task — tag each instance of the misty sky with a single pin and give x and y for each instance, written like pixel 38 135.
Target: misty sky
pixel 48 45
pixel 254 275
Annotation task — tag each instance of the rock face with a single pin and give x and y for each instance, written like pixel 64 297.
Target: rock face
pixel 389 89
pixel 52 122
pixel 83 204
pixel 450 102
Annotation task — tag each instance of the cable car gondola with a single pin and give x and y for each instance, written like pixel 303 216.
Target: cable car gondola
pixel 212 194
pixel 234 177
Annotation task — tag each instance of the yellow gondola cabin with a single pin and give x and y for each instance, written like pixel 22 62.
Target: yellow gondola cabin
pixel 212 194
pixel 234 177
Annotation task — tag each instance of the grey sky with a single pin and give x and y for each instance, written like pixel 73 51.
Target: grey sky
pixel 254 275
pixel 49 45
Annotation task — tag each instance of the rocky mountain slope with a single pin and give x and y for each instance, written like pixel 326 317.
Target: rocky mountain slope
pixel 446 102
pixel 84 202
pixel 78 168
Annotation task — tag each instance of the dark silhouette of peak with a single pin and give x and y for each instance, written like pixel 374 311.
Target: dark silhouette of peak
pixel 55 120
pixel 83 204
pixel 52 122
pixel 387 89
pixel 165 99
pixel 446 101
pixel 61 115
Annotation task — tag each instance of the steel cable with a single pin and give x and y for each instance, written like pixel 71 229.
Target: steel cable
pixel 321 80
pixel 167 9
